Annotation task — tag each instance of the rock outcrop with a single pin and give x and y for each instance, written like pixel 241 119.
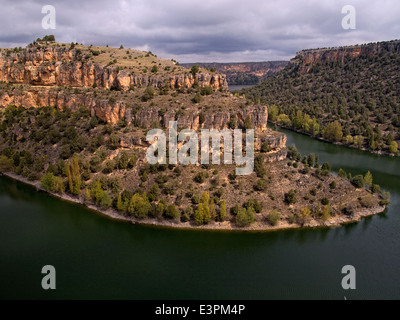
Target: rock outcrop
pixel 306 59
pixel 61 67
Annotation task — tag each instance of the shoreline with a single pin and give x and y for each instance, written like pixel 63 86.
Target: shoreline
pixel 113 214
pixel 378 153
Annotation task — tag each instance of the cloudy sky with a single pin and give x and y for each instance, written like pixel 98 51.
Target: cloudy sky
pixel 205 30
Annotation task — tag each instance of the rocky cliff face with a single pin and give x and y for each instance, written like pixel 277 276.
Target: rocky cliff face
pixel 59 66
pixel 245 73
pixel 113 111
pixel 306 59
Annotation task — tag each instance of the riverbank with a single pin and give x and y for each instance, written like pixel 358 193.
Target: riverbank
pixel 258 226
pixel 378 152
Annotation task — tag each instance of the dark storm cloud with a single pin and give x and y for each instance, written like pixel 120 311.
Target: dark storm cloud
pixel 208 30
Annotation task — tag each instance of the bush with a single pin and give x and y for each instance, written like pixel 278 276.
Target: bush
pixel 375 188
pixel 259 167
pixel 253 203
pixel 342 173
pixel 325 201
pixel 290 197
pixel 6 164
pixel 245 217
pixel 49 182
pixel 201 177
pixel 261 185
pixel 139 206
pixel 358 181
pixel 154 69
pixel 197 98
pixel 93 122
pixel 148 94
pixel 368 201
pixel 195 69
pixel 332 185
pixel 172 212
pixel 304 216
pixel 274 217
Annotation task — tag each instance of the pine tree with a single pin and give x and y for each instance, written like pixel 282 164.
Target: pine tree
pixel 74 176
pixel 368 179
pixel 222 211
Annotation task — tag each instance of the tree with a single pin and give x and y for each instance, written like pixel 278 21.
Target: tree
pixel 247 122
pixel 311 160
pixel 273 113
pixel 139 206
pixel 358 181
pixel 232 122
pixel 333 132
pixel 326 213
pixel 49 182
pixel 222 211
pixel 259 167
pixel 368 179
pixel 74 176
pixel 6 164
pixel 304 216
pixel 393 147
pixel 195 70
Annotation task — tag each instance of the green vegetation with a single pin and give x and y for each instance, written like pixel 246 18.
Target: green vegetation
pixel 357 101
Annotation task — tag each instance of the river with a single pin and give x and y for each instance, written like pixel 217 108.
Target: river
pixel 97 258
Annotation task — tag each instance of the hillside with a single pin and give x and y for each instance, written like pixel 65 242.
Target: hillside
pixel 75 118
pixel 349 95
pixel 244 73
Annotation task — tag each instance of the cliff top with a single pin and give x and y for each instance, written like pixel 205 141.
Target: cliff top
pixel 139 62
pixel 351 47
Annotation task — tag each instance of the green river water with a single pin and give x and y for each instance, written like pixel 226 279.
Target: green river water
pixel 97 258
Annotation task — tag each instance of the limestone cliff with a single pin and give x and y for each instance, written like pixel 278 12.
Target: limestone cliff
pixel 306 59
pixel 60 66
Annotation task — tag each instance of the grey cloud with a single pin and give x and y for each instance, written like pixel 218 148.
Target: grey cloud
pixel 209 30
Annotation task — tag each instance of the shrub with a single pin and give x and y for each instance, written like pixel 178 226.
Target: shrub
pixel 197 98
pixel 6 164
pixel 245 217
pixel 201 177
pixel 148 94
pixel 332 185
pixel 222 211
pixel 195 69
pixel 342 173
pixel 253 203
pixel 274 217
pixel 52 183
pixel 139 206
pixel 290 197
pixel 375 188
pixel 259 166
pixel 154 69
pixel 172 212
pixel 304 216
pixel 325 201
pixel 265 147
pixel 261 185
pixel 358 181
